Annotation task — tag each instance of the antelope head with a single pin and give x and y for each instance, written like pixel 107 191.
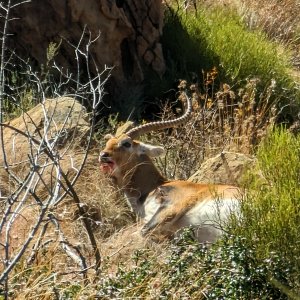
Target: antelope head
pixel 165 206
pixel 128 161
pixel 122 155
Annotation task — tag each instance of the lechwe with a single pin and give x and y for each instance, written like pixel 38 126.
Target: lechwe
pixel 165 206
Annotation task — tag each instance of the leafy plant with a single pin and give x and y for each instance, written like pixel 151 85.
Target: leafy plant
pixel 191 270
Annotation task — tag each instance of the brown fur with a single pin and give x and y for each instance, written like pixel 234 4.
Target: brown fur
pixel 184 195
pixel 135 173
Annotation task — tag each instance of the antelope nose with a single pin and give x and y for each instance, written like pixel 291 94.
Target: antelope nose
pixel 103 156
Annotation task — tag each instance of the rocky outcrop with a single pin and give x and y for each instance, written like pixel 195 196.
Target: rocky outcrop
pixel 58 126
pixel 225 168
pixel 63 117
pixel 129 34
pixel 62 121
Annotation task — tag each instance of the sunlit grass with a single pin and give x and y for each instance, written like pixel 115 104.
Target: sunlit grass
pixel 218 37
pixel 271 208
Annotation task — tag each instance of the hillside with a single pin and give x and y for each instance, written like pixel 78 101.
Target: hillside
pixel 67 232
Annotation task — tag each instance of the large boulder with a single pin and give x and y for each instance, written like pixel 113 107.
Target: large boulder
pixel 129 34
pixel 225 168
pixel 61 123
pixel 63 116
pixel 63 119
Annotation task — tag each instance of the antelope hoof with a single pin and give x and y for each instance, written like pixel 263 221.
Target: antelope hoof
pixel 145 230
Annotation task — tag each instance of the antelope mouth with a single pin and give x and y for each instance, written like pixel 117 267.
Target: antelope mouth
pixel 107 165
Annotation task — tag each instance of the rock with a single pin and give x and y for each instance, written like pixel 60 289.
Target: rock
pixel 67 119
pixel 129 34
pixel 63 113
pixel 225 168
pixel 63 117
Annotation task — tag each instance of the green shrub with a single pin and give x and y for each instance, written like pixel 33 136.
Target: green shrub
pixel 191 270
pixel 242 53
pixel 271 218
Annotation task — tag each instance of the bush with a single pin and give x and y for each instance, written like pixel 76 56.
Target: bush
pixel 191 270
pixel 271 209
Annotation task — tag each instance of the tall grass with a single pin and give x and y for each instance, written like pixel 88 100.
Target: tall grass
pixel 279 19
pixel 225 119
pixel 271 219
pixel 217 37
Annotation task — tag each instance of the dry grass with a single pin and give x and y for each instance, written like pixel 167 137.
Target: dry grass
pixel 280 20
pixel 104 204
pixel 52 269
pixel 223 120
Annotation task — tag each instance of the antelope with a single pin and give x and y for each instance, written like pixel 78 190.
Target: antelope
pixel 165 206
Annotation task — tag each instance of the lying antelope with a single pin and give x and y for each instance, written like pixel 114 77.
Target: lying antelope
pixel 165 206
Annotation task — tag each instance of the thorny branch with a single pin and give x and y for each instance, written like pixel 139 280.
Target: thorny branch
pixel 47 145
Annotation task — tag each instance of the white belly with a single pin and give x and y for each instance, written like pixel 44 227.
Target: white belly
pixel 209 218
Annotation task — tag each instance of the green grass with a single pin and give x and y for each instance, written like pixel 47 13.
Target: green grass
pixel 271 210
pixel 242 53
pixel 218 38
pixel 272 206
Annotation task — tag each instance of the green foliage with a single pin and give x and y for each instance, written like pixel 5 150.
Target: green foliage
pixel 242 53
pixel 52 51
pixel 184 51
pixel 271 208
pixel 14 108
pixel 217 37
pixel 191 270
pixel 71 292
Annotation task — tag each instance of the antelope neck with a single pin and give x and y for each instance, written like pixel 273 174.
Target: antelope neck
pixel 137 185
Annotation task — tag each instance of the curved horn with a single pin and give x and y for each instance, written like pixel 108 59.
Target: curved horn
pixel 139 130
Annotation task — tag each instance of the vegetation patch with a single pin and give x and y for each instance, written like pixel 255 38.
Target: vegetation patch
pixel 271 207
pixel 217 37
pixel 190 270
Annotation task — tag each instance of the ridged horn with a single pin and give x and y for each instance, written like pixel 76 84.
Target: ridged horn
pixel 159 125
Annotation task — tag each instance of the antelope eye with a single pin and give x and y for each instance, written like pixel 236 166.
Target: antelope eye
pixel 126 144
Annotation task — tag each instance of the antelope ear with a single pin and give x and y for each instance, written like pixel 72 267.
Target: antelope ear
pixel 152 151
pixel 108 136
